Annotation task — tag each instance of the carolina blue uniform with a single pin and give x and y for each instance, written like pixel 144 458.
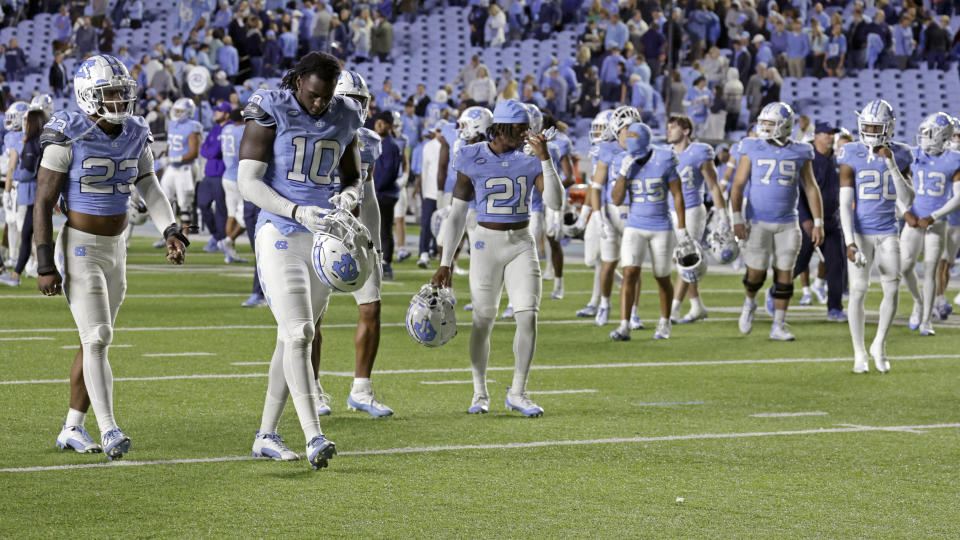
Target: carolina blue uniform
pixel 450 134
pixel 536 202
pixel 503 183
pixel 370 150
pixel 103 167
pixel 230 147
pixel 688 168
pixel 13 140
pixel 617 154
pixel 774 189
pixel 177 137
pixel 932 180
pixel 564 143
pixel 647 188
pixel 306 149
pixel 604 152
pixel 874 194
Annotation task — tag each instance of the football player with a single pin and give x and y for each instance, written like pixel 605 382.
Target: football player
pixel 500 176
pixel 367 340
pixel 230 136
pixel 553 221
pixel 952 243
pixel 647 172
pixel 776 169
pixel 936 171
pixel 90 160
pixel 873 189
pixel 294 140
pixel 696 168
pixel 184 135
pixel 400 208
pixel 12 146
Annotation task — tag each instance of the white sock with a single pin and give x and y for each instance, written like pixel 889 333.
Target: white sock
pixel 98 379
pixel 888 308
pixel 929 289
pixel 524 347
pixel 806 290
pixel 595 294
pixel 856 318
pixel 675 306
pixel 633 312
pixel 298 373
pixel 277 392
pixel 817 282
pixel 361 386
pixel 228 241
pixel 624 327
pixel 752 302
pixel 558 283
pixel 779 316
pixel 940 300
pixel 480 352
pixel 697 303
pixel 605 301
pixel 75 418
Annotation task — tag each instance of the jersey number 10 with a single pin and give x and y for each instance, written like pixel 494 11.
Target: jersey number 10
pixel 325 157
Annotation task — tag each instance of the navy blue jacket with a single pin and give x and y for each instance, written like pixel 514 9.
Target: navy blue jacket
pixel 825 171
pixel 387 169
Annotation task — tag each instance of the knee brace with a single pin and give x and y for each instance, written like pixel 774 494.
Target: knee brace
pixel 752 286
pixel 782 291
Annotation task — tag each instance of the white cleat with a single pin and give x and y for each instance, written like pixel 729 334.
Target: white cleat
pixel 523 404
pixel 603 316
pixel 270 445
pixel 480 404
pixel 693 315
pixel 507 313
pixel 806 299
pixel 779 332
pixel 926 329
pixel 424 260
pixel 861 363
pixel 460 271
pixel 557 293
pixel 159 244
pixel 820 292
pixel 636 323
pixel 663 329
pixel 115 444
pixel 879 353
pixel 324 408
pixel 367 403
pixel 319 451
pixel 915 315
pixel 77 438
pixel 746 317
pixel 587 311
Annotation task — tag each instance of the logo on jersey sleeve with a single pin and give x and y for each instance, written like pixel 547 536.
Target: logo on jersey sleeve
pixel 281 245
pixel 424 330
pixel 478 245
pixel 346 268
pixel 80 251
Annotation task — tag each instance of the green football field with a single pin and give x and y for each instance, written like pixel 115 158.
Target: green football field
pixel 709 434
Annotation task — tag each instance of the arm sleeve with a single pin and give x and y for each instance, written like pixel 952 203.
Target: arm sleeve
pixel 370 213
pixel 156 201
pixel 57 158
pixel 552 187
pixel 252 187
pixel 452 231
pixel 948 207
pixel 846 213
pixel 905 192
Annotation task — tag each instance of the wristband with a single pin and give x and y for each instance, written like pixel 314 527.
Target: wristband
pixel 596 185
pixel 174 231
pixel 293 214
pixel 737 218
pixel 45 265
pixel 818 222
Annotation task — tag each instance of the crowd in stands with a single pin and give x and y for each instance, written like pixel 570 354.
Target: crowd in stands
pixel 708 59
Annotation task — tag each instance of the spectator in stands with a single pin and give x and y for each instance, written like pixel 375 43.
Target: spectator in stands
pixel 509 91
pixel 547 20
pixel 15 60
pixel 935 44
pixel 381 37
pixel 253 44
pixel 797 50
pixel 272 55
pixel 105 39
pixel 288 47
pixel 637 27
pixel 641 96
pixel 591 39
pixel 697 102
pixel 320 32
pixel 771 87
pixel 698 20
pixel 63 25
pixel 617 33
pixel 477 21
pixel 86 38
pixel 496 23
pixel 733 96
pixel 652 42
pixel 836 52
pixel 125 58
pixel 505 77
pixel 57 77
pixel 175 50
pixel 134 11
pixel 754 91
pixel 561 90
pixel 857 38
pixel 778 39
pixel 742 60
pixel 228 59
pixel 360 27
pixel 385 98
pixel 469 71
pixel 221 89
pixel 715 67
pixel 803 129
pixel 903 42
pixel 674 93
pixel 517 20
pixel 164 82
pixel 715 126
pixel 673 31
pixel 610 77
pixel 589 103
pixel 482 89
pixel 222 15
pixel 818 47
pixel 880 27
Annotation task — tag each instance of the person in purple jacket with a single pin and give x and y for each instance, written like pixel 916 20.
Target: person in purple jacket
pixel 210 198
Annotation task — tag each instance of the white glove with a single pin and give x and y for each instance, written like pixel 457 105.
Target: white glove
pixel 859 260
pixel 311 217
pixel 161 163
pixel 346 199
pixel 8 205
pixel 578 227
pixel 402 179
pixel 683 237
pixel 626 164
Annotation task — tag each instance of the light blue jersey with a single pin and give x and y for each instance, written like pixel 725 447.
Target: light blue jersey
pixel 647 188
pixel 306 149
pixel 178 135
pixel 689 162
pixel 564 143
pixel 13 140
pixel 370 150
pixel 932 180
pixel 503 184
pixel 103 167
pixel 230 148
pixel 774 189
pixel 874 194
pixel 617 153
pixel 605 152
pixel 450 134
pixel 536 202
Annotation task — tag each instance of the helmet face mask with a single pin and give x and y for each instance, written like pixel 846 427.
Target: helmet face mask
pixel 42 102
pixel 690 263
pixel 598 127
pixel 775 123
pixel 723 245
pixel 182 110
pixel 620 118
pixel 431 318
pixel 14 115
pixel 934 133
pixel 474 122
pixel 876 124
pixel 103 88
pixel 536 118
pixel 343 256
pixel 351 84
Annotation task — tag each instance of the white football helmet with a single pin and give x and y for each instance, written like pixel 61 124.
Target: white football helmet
pixel 183 109
pixel 934 133
pixel 351 84
pixel 877 113
pixel 474 122
pixel 954 143
pixel 13 117
pixel 103 87
pixel 431 319
pixel 620 118
pixel 42 102
pixel 781 115
pixel 598 127
pixel 723 245
pixel 136 208
pixel 343 255
pixel 397 122
pixel 690 263
pixel 536 117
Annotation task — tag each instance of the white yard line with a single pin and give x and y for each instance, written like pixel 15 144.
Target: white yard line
pixel 788 414
pixel 452 382
pixel 554 392
pixel 668 403
pixel 176 354
pixel 26 339
pixel 112 346
pixel 511 446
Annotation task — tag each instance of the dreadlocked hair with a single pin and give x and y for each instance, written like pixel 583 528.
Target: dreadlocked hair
pixel 321 64
pixel 498 129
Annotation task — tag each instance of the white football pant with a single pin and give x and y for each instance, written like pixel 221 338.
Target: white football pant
pixel 931 242
pixel 660 243
pixel 885 250
pixel 179 186
pixel 782 240
pixel 234 202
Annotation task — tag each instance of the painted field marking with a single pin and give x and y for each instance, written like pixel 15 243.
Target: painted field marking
pixel 26 339
pixel 112 346
pixel 669 403
pixel 176 354
pixel 499 368
pixel 554 392
pixel 509 446
pixel 788 414
pixel 903 429
pixel 452 382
